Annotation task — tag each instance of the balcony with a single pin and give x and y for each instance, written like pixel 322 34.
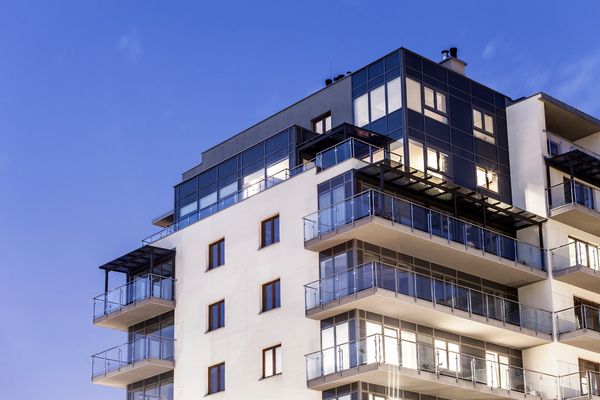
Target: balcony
pixel 580 327
pixel 569 157
pixel 401 293
pixel 330 157
pixel 577 264
pixel 575 204
pixel 141 358
pixel 403 226
pixel 580 385
pixel 425 369
pixel 143 298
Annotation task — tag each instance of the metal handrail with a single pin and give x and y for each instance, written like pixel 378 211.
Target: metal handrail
pixel 375 349
pixel 592 261
pixel 508 308
pixel 390 213
pixel 572 145
pixel 573 194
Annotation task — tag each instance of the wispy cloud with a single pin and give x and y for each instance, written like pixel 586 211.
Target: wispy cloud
pixel 489 50
pixel 130 45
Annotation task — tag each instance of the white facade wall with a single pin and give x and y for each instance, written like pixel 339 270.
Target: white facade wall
pixel 247 331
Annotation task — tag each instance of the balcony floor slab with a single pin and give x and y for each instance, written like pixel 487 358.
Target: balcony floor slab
pixel 134 313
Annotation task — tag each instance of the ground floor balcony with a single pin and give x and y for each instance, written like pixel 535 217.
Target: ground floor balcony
pixel 577 264
pixel 141 299
pixel 580 327
pixel 423 368
pixel 401 293
pixel 575 204
pixel 400 225
pixel 138 359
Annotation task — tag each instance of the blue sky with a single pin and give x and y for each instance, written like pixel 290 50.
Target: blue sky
pixel 104 103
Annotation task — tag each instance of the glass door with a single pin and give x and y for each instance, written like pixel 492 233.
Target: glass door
pixel 408 349
pixel 390 345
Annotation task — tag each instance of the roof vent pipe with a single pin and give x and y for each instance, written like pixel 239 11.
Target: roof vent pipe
pixel 445 55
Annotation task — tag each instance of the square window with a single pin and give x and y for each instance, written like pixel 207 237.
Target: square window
pixel 272 361
pixel 271 295
pixel 216 254
pixel 322 123
pixel 487 179
pixel 269 231
pixel 216 315
pixel 216 378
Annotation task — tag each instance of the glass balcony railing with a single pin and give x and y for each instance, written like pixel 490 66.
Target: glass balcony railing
pixel 423 287
pixel 139 349
pixel 391 350
pixel 583 384
pixel 577 318
pixel 373 203
pixel 575 254
pixel 139 289
pixel 349 148
pixel 573 193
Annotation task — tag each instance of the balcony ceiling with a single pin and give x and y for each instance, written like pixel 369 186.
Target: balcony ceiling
pixel 567 121
pixel 584 166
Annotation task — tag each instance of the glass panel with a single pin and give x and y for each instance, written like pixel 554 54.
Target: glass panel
pixel 413 95
pixel 415 154
pixel 441 102
pixel 377 103
pixel 477 119
pixel 188 208
pixel 394 94
pixel 361 110
pixel 489 123
pixel 208 200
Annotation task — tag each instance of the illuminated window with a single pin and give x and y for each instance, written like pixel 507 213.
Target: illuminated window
pixel 415 154
pixel 483 126
pixel 413 95
pixel 437 162
pixel 487 179
pixel 378 102
pixel 433 104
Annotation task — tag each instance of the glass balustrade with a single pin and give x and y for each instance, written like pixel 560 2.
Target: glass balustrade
pixel 571 192
pixel 141 348
pixel 141 288
pixel 423 287
pixel 576 318
pixel 575 254
pixel 373 203
pixel 393 351
pixel 349 148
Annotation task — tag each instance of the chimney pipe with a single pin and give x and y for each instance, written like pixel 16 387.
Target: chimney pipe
pixel 453 52
pixel 451 61
pixel 445 54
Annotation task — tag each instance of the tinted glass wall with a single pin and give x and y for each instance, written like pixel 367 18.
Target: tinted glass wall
pixel 241 171
pixel 459 117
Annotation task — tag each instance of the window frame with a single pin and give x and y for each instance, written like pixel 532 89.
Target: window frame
pixel 489 136
pixel 220 368
pixel 442 114
pixel 274 238
pixel 321 120
pixel 221 315
pixel 487 180
pixel 438 170
pixel 275 368
pixel 267 291
pixel 220 254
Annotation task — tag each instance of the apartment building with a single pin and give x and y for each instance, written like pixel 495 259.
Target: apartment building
pixel 403 233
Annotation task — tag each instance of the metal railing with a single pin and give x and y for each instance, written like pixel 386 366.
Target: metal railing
pixel 577 318
pixel 349 148
pixel 374 203
pixel 575 254
pixel 580 384
pixel 392 351
pixel 419 286
pixel 141 348
pixel 570 193
pixel 141 288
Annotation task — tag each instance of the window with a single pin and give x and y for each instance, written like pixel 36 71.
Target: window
pixel 185 210
pixel 269 231
pixel 483 126
pixel 434 105
pixel 216 254
pixel 272 361
pixel 216 378
pixel 322 123
pixel 487 179
pixel 437 162
pixel 271 295
pixel 415 155
pixel 216 315
pixel 447 354
pixel 377 103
